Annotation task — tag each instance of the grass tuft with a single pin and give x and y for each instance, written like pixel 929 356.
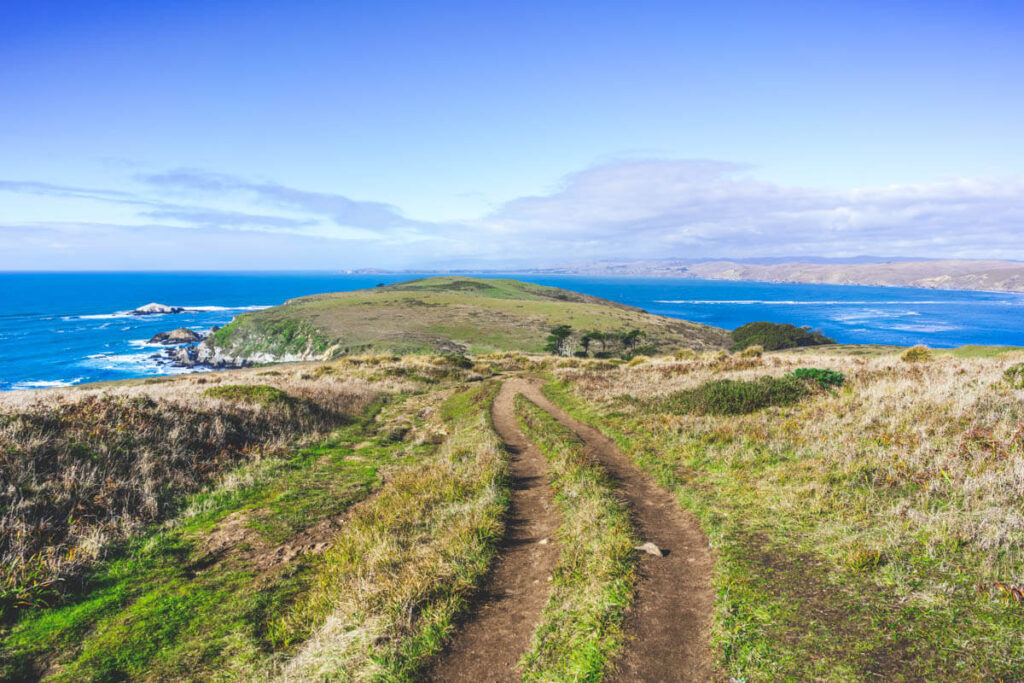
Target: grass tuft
pixel 581 626
pixel 259 394
pixel 736 397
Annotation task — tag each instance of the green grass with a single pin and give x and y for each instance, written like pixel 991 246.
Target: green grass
pixel 385 596
pixel 165 606
pixel 1014 375
pixel 260 394
pixel 592 586
pixel 735 397
pixel 809 584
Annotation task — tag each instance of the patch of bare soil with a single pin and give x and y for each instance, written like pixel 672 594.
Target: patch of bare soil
pixel 232 540
pixel 497 631
pixel 670 621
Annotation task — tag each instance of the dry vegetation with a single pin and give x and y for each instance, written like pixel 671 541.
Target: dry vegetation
pixel 873 529
pixel 393 582
pixel 876 529
pixel 83 469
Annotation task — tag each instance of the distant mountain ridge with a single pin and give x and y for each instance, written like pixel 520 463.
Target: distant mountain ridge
pixel 995 276
pixel 965 274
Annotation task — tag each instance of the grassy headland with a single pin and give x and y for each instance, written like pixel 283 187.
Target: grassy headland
pixel 445 314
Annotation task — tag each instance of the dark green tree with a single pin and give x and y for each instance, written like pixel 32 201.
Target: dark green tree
pixel 560 340
pixel 631 339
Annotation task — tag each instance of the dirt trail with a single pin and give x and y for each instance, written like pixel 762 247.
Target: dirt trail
pixel 669 623
pixel 498 629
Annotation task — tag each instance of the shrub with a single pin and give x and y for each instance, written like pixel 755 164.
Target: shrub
pixel 917 354
pixel 754 351
pixel 774 336
pixel 733 397
pixel 637 360
pixel 1014 376
pixel 260 394
pixel 457 360
pixel 685 354
pixel 825 378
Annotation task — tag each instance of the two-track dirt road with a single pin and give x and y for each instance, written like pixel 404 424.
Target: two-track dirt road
pixel 668 625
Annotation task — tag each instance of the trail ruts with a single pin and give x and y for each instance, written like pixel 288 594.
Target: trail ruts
pixel 668 626
pixel 497 631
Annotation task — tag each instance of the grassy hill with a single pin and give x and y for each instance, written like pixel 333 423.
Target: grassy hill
pixel 444 314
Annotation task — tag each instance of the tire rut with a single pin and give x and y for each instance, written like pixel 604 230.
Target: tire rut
pixel 668 627
pixel 497 631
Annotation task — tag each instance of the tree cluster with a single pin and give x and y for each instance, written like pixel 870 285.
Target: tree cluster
pixel 775 336
pixel 564 341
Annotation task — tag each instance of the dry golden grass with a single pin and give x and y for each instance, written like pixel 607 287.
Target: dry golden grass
pixel 908 483
pixel 83 468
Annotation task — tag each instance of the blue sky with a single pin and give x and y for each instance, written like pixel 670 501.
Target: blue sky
pixel 421 134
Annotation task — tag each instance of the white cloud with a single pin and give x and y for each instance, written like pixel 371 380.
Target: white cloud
pixel 646 208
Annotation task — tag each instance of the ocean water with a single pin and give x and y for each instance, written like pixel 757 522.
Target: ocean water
pixel 58 329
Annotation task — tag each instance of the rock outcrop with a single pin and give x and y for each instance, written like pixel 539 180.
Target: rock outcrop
pixel 182 335
pixel 157 309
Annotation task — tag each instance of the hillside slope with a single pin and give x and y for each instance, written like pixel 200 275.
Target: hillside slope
pixel 442 314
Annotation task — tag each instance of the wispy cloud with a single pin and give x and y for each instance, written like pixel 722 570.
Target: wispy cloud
pixel 699 208
pixel 339 208
pixel 645 208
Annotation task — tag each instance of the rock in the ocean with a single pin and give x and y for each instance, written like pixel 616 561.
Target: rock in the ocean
pixel 157 309
pixel 182 335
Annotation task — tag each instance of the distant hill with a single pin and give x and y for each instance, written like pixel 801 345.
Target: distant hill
pixel 991 275
pixel 996 276
pixel 442 314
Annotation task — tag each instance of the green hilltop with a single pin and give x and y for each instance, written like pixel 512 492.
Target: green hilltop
pixel 446 314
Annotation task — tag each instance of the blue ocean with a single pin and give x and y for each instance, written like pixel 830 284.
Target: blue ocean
pixel 58 329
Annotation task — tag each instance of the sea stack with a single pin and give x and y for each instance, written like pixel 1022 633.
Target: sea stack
pixel 157 309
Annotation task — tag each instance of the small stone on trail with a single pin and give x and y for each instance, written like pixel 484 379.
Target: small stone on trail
pixel 543 541
pixel 650 549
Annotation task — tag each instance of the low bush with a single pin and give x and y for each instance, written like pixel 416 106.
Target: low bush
pixel 684 354
pixel 917 354
pixel 775 336
pixel 755 351
pixel 734 397
pixel 1014 376
pixel 259 394
pixel 824 378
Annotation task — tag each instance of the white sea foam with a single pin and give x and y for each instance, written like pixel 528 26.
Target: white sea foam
pixel 45 384
pixel 187 309
pixel 132 362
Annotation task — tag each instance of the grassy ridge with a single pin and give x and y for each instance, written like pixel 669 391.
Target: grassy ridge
pixel 444 314
pixel 592 586
pixel 860 533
